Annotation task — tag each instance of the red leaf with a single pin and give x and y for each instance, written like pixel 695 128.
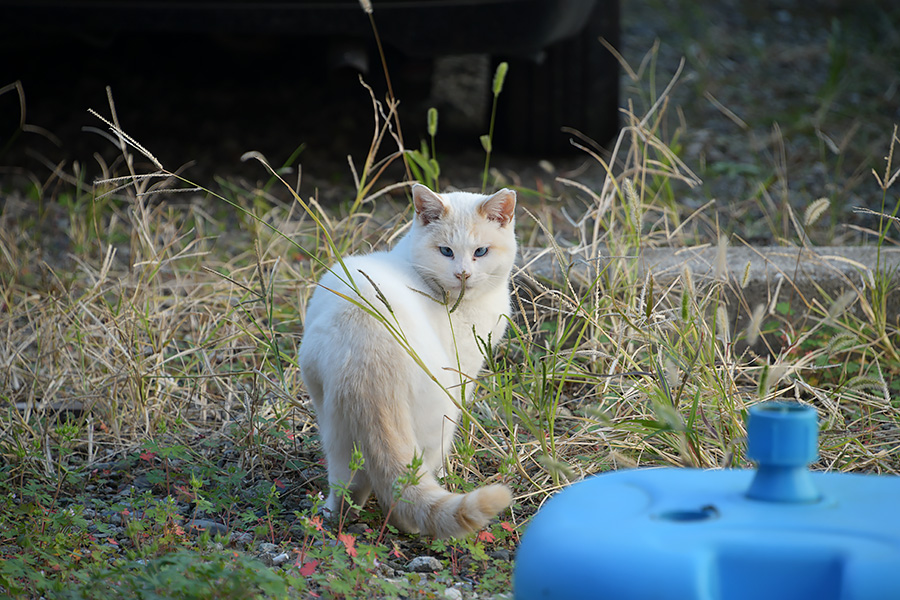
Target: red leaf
pixel 507 526
pixel 317 523
pixel 348 541
pixel 147 455
pixel 486 536
pixel 309 568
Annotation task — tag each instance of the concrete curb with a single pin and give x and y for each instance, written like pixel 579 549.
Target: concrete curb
pixel 758 274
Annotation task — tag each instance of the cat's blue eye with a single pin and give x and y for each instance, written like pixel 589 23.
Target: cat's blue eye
pixel 446 251
pixel 479 252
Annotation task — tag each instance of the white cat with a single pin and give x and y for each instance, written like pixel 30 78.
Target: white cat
pixel 367 388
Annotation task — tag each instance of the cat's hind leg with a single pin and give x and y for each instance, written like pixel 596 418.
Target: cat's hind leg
pixel 344 484
pixel 346 499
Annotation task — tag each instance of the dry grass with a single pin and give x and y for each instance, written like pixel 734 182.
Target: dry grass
pixel 179 313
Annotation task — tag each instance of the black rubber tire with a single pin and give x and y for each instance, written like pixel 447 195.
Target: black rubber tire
pixel 573 84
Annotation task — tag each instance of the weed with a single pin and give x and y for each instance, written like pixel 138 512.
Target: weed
pixel 487 141
pixel 424 165
pixel 184 574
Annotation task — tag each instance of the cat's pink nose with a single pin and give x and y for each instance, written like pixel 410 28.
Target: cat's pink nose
pixel 463 275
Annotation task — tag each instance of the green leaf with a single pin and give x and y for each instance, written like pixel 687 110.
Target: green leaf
pixel 486 142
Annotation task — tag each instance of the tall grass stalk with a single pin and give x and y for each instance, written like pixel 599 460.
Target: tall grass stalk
pixel 487 141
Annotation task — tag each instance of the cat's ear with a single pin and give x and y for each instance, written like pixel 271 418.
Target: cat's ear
pixel 500 208
pixel 429 206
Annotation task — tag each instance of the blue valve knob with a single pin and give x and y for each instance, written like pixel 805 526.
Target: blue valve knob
pixel 782 439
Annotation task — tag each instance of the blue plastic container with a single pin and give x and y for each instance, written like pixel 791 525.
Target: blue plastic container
pixel 780 532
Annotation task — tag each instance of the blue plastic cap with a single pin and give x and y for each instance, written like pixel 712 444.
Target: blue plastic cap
pixel 782 438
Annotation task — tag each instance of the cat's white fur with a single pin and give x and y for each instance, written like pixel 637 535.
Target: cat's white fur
pixel 366 387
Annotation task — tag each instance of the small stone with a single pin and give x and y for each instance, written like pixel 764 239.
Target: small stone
pixel 358 529
pixel 141 483
pixel 213 528
pixel 115 530
pixel 424 564
pixel 268 548
pixel 271 555
pixel 240 539
pixel 451 593
pixel 501 554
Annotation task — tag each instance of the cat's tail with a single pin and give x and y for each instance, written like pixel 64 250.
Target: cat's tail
pixel 429 508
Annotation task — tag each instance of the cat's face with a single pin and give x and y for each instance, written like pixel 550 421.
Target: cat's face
pixel 463 239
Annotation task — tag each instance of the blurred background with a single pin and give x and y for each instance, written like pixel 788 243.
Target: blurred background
pixel 805 92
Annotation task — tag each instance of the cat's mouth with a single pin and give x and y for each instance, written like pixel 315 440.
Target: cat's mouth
pixel 441 286
pixel 460 286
